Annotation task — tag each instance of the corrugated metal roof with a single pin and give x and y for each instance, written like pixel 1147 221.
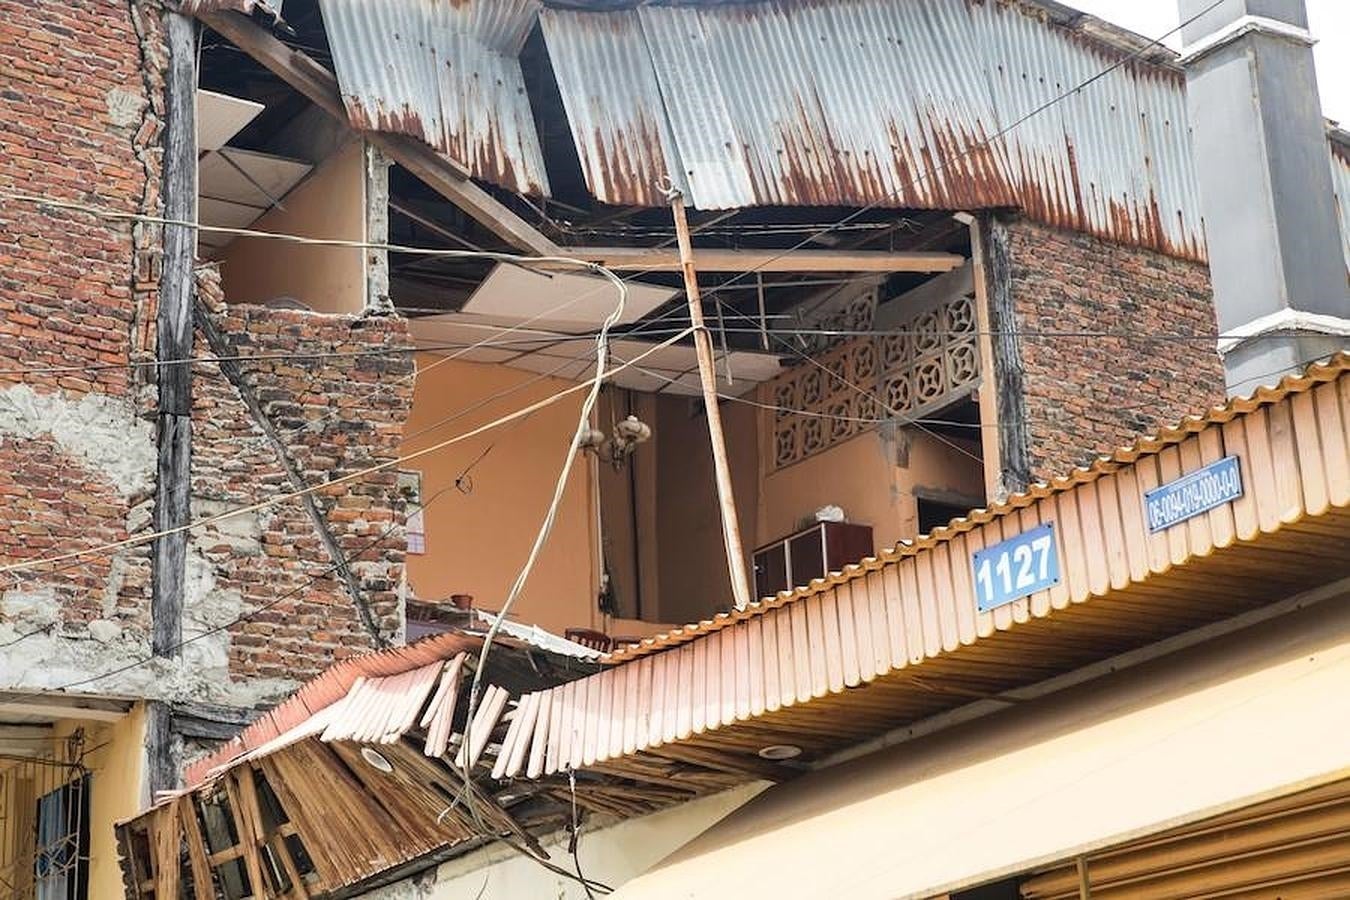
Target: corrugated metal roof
pixel 855 102
pixel 446 73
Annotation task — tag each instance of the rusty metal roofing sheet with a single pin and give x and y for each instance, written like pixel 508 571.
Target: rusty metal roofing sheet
pixel 883 102
pixel 445 73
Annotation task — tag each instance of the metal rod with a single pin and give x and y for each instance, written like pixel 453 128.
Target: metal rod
pixel 731 532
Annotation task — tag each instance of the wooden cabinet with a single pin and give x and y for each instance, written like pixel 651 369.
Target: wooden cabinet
pixel 811 553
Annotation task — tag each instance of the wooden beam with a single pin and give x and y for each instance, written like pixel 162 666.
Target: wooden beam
pixel 711 260
pixel 173 339
pixel 446 176
pixel 55 706
pixel 726 497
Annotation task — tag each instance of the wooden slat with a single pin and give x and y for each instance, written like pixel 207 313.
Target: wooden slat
pixel 688 701
pixel 742 678
pixel 984 621
pixel 699 687
pixel 1286 459
pixel 196 847
pixel 1113 531
pixel 657 713
pixel 880 626
pixel 525 725
pixel 642 718
pixel 1334 434
pixel 248 833
pixel 1221 527
pixel 963 589
pixel 848 635
pixel 478 731
pixel 1311 456
pixel 1246 522
pixel 995 532
pixel 1263 484
pixel 1073 559
pixel 944 598
pixel 539 742
pixel 828 603
pixel 909 599
pixel 168 872
pixel 756 645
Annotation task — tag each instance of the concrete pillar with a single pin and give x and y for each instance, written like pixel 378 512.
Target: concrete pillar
pixel 1264 170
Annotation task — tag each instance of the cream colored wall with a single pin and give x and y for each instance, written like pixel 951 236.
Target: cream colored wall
pixel 117 766
pixel 329 203
pixel 692 567
pixel 611 855
pixel 872 477
pixel 477 542
pixel 1240 719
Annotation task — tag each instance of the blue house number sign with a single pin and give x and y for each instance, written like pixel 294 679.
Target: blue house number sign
pixel 1015 568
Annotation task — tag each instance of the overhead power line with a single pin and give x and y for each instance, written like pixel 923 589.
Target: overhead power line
pixel 344 479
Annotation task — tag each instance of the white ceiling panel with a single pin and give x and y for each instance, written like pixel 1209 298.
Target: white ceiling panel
pixel 584 300
pixel 455 333
pixel 226 214
pixel 243 176
pixel 221 117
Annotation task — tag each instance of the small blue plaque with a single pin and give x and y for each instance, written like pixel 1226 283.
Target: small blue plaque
pixel 1190 495
pixel 1015 568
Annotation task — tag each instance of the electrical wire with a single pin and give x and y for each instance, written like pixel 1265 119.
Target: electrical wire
pixel 592 383
pixel 546 526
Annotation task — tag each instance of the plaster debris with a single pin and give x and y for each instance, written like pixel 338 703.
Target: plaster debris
pixel 99 429
pixel 104 631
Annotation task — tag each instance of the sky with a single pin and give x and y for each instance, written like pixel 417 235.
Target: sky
pixel 1328 19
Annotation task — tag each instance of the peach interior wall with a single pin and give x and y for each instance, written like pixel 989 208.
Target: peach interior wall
pixel 477 539
pixel 329 203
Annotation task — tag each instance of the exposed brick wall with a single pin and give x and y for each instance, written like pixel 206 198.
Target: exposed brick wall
pixel 1087 395
pixel 334 417
pixel 81 120
pixel 78 123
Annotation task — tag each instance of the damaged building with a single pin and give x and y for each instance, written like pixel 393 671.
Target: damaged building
pixel 299 301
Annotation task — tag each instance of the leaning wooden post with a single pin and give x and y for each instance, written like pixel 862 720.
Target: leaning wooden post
pixel 707 375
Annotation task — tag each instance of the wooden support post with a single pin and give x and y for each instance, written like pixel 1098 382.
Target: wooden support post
pixel 731 529
pixel 174 337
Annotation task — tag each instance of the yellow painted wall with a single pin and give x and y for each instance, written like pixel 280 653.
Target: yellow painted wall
pixel 872 477
pixel 329 203
pixel 117 763
pixel 692 566
pixel 477 542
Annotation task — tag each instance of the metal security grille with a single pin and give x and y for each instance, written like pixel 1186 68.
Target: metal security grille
pixel 44 824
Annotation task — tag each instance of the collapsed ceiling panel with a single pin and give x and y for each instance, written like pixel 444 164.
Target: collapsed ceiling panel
pixel 221 117
pixel 476 340
pixel 447 74
pixel 566 301
pixel 235 187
